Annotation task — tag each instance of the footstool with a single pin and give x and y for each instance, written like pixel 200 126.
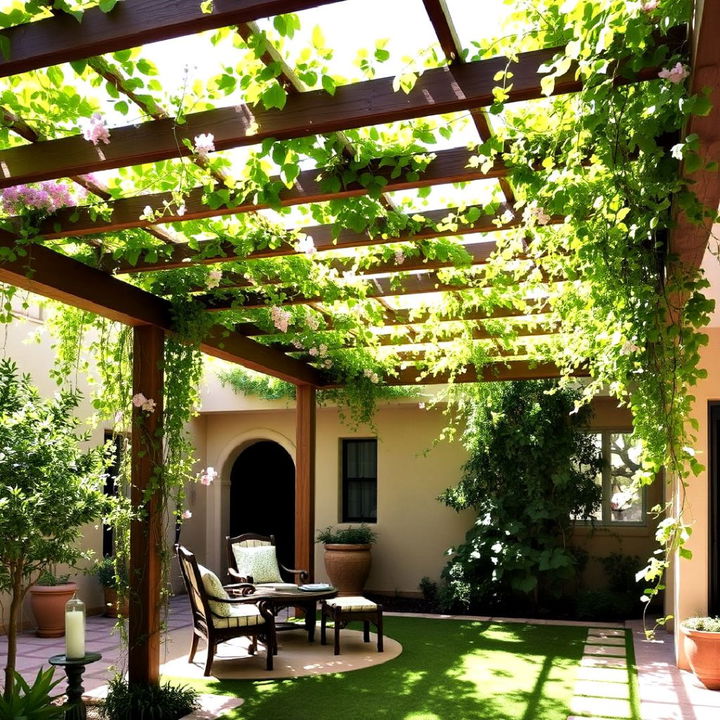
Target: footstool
pixel 343 610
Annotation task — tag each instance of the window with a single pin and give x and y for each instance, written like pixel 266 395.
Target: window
pixel 621 501
pixel 359 480
pixel 111 490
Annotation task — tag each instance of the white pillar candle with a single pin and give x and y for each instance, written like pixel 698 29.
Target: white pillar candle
pixel 75 631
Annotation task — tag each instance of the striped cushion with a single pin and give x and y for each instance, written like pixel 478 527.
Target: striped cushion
pixel 240 616
pixel 354 603
pixel 258 562
pixel 213 586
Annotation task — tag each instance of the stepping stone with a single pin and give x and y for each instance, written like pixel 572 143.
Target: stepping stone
pixel 592 688
pixel 610 708
pixel 595 640
pixel 608 650
pixel 603 674
pixel 599 661
pixel 606 632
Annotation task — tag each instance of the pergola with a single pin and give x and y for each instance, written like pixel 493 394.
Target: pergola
pixel 97 284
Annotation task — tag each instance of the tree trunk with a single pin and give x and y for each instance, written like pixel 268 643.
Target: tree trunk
pixel 15 605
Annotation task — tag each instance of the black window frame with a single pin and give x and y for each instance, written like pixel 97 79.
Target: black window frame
pixel 346 481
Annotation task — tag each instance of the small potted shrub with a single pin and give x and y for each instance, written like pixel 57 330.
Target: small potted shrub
pixel 701 640
pixel 47 599
pixel 113 578
pixel 347 556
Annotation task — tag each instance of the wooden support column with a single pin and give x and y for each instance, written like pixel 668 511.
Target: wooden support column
pixel 146 531
pixel 305 480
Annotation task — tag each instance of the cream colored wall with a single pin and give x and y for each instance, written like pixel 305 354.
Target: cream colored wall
pixel 17 342
pixel 414 529
pixel 691 577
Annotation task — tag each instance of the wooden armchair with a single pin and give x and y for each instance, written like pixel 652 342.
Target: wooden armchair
pixel 217 617
pixel 256 566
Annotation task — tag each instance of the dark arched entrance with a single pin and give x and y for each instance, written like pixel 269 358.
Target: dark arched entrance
pixel 262 496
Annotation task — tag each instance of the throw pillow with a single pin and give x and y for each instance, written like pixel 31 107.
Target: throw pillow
pixel 259 563
pixel 213 586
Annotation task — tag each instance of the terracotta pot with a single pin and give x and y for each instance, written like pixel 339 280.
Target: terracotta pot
pixel 113 607
pixel 348 567
pixel 703 652
pixel 48 606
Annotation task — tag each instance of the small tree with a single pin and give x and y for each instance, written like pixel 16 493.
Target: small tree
pixel 49 488
pixel 531 470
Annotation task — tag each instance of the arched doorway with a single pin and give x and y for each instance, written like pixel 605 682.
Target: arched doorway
pixel 262 496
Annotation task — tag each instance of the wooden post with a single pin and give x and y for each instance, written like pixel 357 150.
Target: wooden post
pixel 305 480
pixel 146 532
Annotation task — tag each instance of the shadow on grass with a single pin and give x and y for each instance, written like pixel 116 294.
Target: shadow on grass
pixel 448 670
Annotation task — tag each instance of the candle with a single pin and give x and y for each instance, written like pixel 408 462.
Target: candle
pixel 74 629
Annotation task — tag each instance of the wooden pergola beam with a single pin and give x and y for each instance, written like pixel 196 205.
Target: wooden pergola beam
pixel 131 23
pixel 495 371
pixel 437 91
pixel 56 276
pixel 689 238
pixel 448 166
pixel 376 288
pixel 324 238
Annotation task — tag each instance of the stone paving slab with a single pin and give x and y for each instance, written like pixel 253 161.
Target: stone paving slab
pixel 610 708
pixel 593 688
pixel 602 674
pixel 606 632
pixel 597 640
pixel 605 650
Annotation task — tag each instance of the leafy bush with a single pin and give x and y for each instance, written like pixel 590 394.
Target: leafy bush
pixel 148 702
pixel 360 535
pixel 47 579
pixel 32 702
pixel 49 488
pixel 531 470
pixel 621 571
pixel 604 605
pixel 109 575
pixel 705 624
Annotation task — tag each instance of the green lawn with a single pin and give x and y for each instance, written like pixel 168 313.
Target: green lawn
pixel 448 670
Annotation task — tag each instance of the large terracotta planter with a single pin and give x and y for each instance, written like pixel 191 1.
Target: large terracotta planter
pixel 348 567
pixel 703 652
pixel 48 606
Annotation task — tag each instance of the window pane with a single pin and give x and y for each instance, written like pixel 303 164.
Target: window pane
pixel 359 485
pixel 625 499
pixel 597 445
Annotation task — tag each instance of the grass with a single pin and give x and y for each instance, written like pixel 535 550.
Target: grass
pixel 448 670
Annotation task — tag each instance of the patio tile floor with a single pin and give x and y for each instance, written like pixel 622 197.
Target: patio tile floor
pixel 665 692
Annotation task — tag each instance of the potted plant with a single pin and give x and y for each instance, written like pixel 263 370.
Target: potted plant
pixel 49 488
pixel 47 599
pixel 347 556
pixel 113 577
pixel 701 640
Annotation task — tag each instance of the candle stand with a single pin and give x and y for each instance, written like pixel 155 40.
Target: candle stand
pixel 74 669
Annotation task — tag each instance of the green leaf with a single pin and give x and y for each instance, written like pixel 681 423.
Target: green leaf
pixel 107 5
pixel 274 96
pixel 328 84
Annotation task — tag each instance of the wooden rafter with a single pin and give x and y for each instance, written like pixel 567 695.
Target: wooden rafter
pixel 448 166
pixel 56 276
pixel 324 239
pixel 131 23
pixel 375 288
pixel 437 91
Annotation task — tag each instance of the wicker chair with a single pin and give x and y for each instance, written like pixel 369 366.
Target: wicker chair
pixel 218 617
pixel 251 540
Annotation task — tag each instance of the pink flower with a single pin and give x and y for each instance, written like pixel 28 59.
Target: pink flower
pixel 95 130
pixel 314 351
pixel 312 322
pixel 399 257
pixel 186 515
pixel 207 476
pixel 46 196
pixel 204 144
pixel 139 400
pixel 675 74
pixel 328 363
pixel 650 5
pixel 149 405
pixel 280 318
pixel 213 279
pixel 306 245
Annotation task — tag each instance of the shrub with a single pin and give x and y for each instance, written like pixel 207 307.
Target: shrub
pixel 360 535
pixel 148 702
pixel 32 702
pixel 705 624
